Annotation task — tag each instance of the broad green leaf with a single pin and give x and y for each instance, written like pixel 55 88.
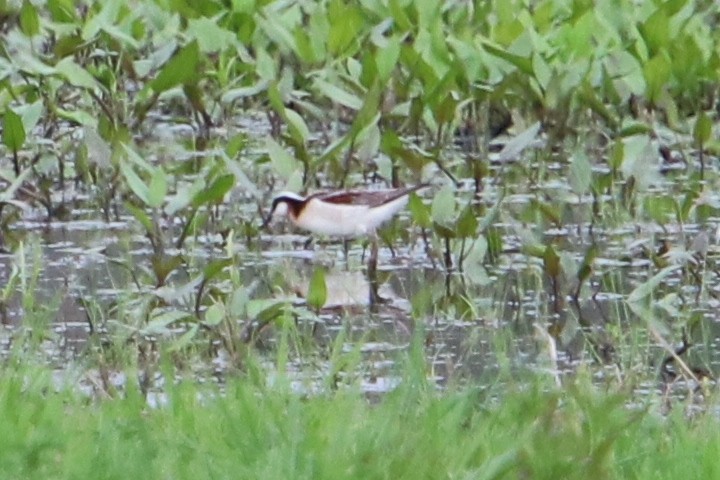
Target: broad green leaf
pixel 443 206
pixel 580 173
pixel 75 74
pixel 8 192
pixel 105 18
pixel 617 155
pixel 703 129
pixel 62 11
pixel 542 72
pixel 140 216
pixel 338 95
pixel 135 183
pixel 277 32
pixel 524 64
pixel 98 150
pixel 419 211
pixel 237 305
pixel 551 262
pixel 211 37
pixel 160 323
pixel 657 73
pixel 215 193
pixel 297 125
pixel 467 222
pixel 473 267
pixel 656 31
pixel 80 117
pixel 214 268
pixel 243 92
pixel 641 161
pixel 13 131
pixel 645 289
pixel 31 114
pixel 317 291
pixel 185 339
pixel 283 163
pixel 29 19
pixel 136 159
pixel 265 66
pixel 586 267
pixel 521 141
pixel 214 315
pixel 386 59
pixel 344 27
pixel 180 69
pixel 157 190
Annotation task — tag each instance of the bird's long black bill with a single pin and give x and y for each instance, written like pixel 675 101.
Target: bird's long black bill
pixel 266 220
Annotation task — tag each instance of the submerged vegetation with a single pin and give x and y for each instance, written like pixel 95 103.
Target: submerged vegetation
pixel 570 234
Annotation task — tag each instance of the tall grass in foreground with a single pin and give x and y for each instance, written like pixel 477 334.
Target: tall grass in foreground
pixel 257 431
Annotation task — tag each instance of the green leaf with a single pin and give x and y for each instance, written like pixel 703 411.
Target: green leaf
pixel 580 173
pixel 160 323
pixel 215 192
pixel 283 163
pixel 443 206
pixel 185 339
pixel 75 74
pixel 277 32
pixel 182 68
pixel 524 64
pixel 211 37
pixel 317 291
pixel 103 19
pixel 473 267
pixel 586 268
pixel 214 268
pixel 386 59
pixel 467 223
pixel 29 19
pixel 214 314
pixel 31 114
pixel 657 73
pixel 419 211
pixel 551 262
pixel 13 131
pixel 338 95
pixel 298 127
pixel 61 11
pixel 703 129
pixel 344 27
pixel 157 190
pixel 646 288
pixel 140 216
pixel 135 183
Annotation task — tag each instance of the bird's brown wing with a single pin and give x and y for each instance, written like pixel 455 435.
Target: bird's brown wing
pixel 371 198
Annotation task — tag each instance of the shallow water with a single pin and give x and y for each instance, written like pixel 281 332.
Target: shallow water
pixel 81 271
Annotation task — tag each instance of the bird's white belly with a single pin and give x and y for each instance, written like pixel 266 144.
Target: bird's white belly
pixel 346 220
pixel 334 220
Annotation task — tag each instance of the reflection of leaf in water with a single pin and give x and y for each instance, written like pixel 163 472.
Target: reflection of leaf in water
pixel 342 289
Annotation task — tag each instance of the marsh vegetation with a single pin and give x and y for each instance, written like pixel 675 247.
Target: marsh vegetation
pixel 553 294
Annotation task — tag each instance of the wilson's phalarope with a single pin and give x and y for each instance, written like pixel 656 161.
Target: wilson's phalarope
pixel 347 214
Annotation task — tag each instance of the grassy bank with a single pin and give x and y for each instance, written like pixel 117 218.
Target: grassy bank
pixel 253 430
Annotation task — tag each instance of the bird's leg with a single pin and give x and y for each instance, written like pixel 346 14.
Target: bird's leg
pixel 372 271
pixel 346 253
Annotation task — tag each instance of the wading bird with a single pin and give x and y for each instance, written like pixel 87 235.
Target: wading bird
pixel 346 214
